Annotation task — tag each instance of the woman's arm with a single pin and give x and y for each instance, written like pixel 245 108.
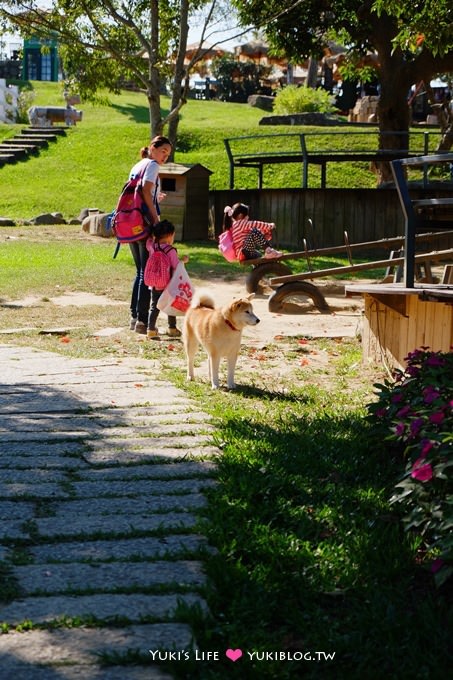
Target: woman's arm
pixel 148 189
pixel 150 179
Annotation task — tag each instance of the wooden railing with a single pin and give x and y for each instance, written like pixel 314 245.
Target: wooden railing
pixel 320 148
pixel 420 214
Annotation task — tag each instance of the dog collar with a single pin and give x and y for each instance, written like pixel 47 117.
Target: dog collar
pixel 228 323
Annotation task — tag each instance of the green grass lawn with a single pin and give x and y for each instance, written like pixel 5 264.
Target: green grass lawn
pixel 88 167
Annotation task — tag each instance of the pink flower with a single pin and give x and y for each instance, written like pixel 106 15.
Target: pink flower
pixel 422 471
pixel 430 394
pixel 416 426
pixel 415 355
pixel 399 429
pixel 412 371
pixel 436 565
pixel 427 446
pixel 435 360
pixel 437 418
pixel 403 411
pixel 396 397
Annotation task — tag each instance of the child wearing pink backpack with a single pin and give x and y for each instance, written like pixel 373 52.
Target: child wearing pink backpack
pixel 248 236
pixel 162 262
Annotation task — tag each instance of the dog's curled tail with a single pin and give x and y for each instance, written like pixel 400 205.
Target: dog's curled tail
pixel 202 299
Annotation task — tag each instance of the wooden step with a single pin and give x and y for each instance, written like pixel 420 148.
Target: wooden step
pixel 7 146
pixel 59 131
pixel 32 139
pixel 7 158
pixel 50 136
pixel 16 151
pixel 38 141
pixel 28 142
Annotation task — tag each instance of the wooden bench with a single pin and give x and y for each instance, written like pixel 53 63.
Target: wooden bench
pixel 420 214
pixel 309 148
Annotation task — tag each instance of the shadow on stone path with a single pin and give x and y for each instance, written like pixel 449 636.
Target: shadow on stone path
pixel 102 473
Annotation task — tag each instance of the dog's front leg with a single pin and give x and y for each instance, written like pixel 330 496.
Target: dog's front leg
pixel 214 363
pixel 190 368
pixel 231 360
pixel 190 346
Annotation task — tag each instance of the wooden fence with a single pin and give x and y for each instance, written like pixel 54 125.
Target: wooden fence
pixel 366 214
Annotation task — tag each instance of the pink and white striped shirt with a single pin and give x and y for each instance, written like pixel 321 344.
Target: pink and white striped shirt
pixel 240 228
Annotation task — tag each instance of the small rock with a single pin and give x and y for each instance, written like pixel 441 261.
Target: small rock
pixel 261 101
pixel 309 118
pixel 49 218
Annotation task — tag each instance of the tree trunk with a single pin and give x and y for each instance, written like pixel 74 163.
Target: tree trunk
pixel 444 112
pixel 393 110
pixel 312 75
pixel 180 89
pixel 154 83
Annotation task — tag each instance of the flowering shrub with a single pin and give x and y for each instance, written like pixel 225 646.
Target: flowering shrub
pixel 417 412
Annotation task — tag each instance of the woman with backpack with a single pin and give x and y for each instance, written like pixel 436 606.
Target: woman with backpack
pixel 162 262
pixel 153 156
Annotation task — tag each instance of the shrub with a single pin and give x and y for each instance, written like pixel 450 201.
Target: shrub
pixel 24 101
pixel 416 409
pixel 293 99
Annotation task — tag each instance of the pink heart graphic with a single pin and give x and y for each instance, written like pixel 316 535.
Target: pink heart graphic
pixel 234 654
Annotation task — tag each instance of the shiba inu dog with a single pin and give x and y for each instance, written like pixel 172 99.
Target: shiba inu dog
pixel 218 330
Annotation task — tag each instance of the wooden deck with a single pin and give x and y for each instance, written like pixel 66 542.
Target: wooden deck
pixel 398 320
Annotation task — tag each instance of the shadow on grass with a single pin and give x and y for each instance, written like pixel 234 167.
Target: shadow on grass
pixel 253 392
pixel 138 114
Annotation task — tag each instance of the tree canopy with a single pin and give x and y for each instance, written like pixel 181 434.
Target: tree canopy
pixel 412 40
pixel 106 43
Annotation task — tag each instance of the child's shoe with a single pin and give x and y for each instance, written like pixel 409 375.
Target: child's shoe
pixel 271 252
pixel 132 323
pixel 174 332
pixel 153 334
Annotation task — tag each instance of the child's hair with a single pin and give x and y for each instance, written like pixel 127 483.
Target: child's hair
pixel 144 152
pixel 159 141
pixel 231 213
pixel 163 228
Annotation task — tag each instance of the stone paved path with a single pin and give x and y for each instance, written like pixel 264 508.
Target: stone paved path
pixel 102 474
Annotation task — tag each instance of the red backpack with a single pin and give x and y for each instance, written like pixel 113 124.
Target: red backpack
pixel 157 272
pixel 131 216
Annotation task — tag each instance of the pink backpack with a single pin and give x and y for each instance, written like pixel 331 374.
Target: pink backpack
pixel 157 272
pixel 131 216
pixel 226 246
